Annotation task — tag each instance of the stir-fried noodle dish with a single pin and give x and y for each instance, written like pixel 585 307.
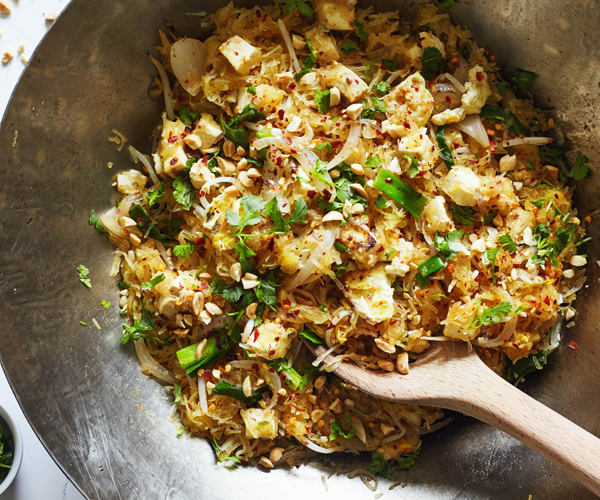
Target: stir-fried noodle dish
pixel 335 176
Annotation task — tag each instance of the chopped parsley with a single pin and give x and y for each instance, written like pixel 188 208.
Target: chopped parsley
pixel 147 285
pixel 580 170
pixel 548 250
pixel 184 251
pixel 176 394
pixel 433 63
pixel 281 225
pixel 154 195
pixel 84 276
pixel 95 222
pixel 145 224
pixel 382 88
pixel 323 100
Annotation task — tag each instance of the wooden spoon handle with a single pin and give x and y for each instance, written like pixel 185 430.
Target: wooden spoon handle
pixel 500 404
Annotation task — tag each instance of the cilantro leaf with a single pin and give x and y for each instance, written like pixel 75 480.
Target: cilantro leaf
pixel 251 205
pixel 360 30
pixel 322 98
pixel 380 466
pixel 525 366
pixel 145 224
pixel 463 215
pixel 84 276
pixel 490 257
pixel 413 169
pixel 337 431
pixel 95 222
pixel 382 88
pixel 147 285
pixel 433 63
pixel 300 212
pixel 236 133
pixel 446 4
pixel 184 251
pixel 390 64
pixel 308 61
pixel 187 116
pixel 272 211
pixel 324 145
pixel 348 47
pixel 407 460
pixel 522 79
pixel 105 304
pixel 580 170
pixel 450 245
pixel 244 252
pixel 507 243
pixel 491 315
pixel 373 161
pixel 303 7
pixel 176 394
pixel 138 329
pixel 445 152
pixel 266 291
pixel 222 455
pixel 183 192
pixel 154 195
pixel 505 117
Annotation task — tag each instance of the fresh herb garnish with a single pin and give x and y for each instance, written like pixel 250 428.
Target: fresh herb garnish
pixel 390 64
pixel 505 117
pixel 433 63
pixel 525 366
pixel 324 145
pixel 413 169
pixel 337 431
pixel 184 251
pixel 529 165
pixel 382 88
pixel 491 315
pixel 445 152
pixel 340 247
pixel 322 98
pixel 450 245
pixel 176 394
pixel 95 222
pixel 236 133
pixel 580 170
pixel 222 455
pixel 291 376
pixel 183 192
pixel 187 116
pixel 303 7
pixel 138 329
pixel 373 161
pixel 349 47
pixel 154 195
pixel 404 195
pixel 84 276
pixel 360 30
pixel 147 285
pixel 522 79
pixel 507 243
pixel 145 224
pixel 465 216
pixel 105 304
pixel 379 466
pixel 490 258
pixel 308 62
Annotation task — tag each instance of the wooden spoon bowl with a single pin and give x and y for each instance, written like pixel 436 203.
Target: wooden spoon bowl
pixel 450 376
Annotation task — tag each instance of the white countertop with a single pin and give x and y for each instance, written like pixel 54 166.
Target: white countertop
pixel 39 477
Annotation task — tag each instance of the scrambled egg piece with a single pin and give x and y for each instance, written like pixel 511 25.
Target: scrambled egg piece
pixel 371 294
pixel 419 145
pixel 242 56
pixel 335 14
pixel 463 186
pixel 448 116
pixel 260 424
pixel 409 106
pixel 347 81
pixel 171 147
pixel 477 91
pixel 270 340
pixel 404 253
pixel 436 216
pixel 130 181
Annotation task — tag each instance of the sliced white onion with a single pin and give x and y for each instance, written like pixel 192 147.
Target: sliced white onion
pixel 507 332
pixel 436 339
pixel 473 126
pixel 275 384
pixel 307 267
pixel 534 141
pixel 394 76
pixel 437 425
pixel 166 85
pixel 270 141
pixel 187 61
pixel 315 447
pixel 338 316
pixel 452 79
pixel 137 155
pixel 320 358
pixel 393 437
pixel 202 397
pixel 149 365
pixel 334 362
pixel 198 210
pixel 244 364
pixel 554 335
pixel 116 264
pixel 360 429
pixel 158 166
pixel 248 329
pixel 349 146
pixel 288 44
pixel 110 221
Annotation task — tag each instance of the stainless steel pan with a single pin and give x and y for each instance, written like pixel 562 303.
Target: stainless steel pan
pixel 109 427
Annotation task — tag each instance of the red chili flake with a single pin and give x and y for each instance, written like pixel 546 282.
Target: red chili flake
pixel 200 242
pixel 205 158
pixel 190 406
pixel 236 52
pixel 292 86
pixel 287 139
pixel 448 100
pixel 286 302
pixel 330 326
pixel 279 161
pixel 271 352
pixel 389 180
pixel 293 151
pixel 311 193
pixel 255 367
pixel 276 339
pixel 326 195
pixel 281 114
pixel 256 334
pixel 573 345
pixel 171 139
pixel 547 300
pixel 187 130
pixel 173 161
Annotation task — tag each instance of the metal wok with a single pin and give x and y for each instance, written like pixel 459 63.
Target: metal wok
pixel 109 427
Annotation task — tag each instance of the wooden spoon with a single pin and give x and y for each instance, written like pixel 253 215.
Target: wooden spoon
pixel 449 376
